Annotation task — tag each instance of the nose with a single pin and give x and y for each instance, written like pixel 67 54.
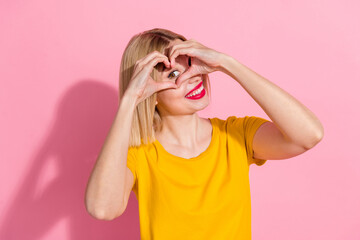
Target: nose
pixel 193 80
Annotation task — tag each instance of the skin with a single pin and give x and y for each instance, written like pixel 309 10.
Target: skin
pixel 294 128
pixel 176 111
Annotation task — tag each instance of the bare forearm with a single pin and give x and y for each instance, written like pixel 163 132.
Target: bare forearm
pixel 297 123
pixel 105 189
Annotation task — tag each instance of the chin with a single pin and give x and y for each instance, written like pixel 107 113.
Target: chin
pixel 201 104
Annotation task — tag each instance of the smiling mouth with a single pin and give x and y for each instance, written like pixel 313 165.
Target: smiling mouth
pixel 196 90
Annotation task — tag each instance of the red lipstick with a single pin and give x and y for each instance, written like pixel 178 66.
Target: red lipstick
pixel 199 85
pixel 198 94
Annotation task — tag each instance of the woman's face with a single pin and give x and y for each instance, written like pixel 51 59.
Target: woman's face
pixel 175 101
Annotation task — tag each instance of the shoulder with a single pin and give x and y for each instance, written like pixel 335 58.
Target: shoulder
pixel 222 122
pixel 245 124
pixel 143 151
pixel 141 148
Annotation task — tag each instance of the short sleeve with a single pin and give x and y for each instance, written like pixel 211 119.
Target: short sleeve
pixel 251 125
pixel 131 163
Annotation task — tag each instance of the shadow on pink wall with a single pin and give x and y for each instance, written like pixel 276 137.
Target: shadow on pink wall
pixel 84 117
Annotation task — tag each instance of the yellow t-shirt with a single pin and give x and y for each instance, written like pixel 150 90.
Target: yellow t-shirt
pixel 202 198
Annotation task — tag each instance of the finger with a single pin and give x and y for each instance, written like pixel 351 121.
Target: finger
pixel 165 62
pixel 176 46
pixel 165 85
pixel 148 58
pixel 189 51
pixel 185 50
pixel 157 60
pixel 185 44
pixel 188 74
pixel 150 65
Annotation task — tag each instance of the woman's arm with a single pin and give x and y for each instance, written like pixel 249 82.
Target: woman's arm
pixel 294 129
pixel 293 120
pixel 104 198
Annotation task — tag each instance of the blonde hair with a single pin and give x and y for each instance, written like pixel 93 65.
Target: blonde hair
pixel 146 118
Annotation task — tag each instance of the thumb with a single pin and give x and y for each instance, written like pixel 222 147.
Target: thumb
pixel 165 85
pixel 188 74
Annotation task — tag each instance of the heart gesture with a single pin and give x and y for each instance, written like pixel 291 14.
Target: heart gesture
pixel 204 60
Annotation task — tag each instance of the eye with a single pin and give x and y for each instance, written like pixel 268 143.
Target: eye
pixel 171 75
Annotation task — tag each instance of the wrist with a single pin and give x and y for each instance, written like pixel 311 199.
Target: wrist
pixel 225 61
pixel 227 65
pixel 128 101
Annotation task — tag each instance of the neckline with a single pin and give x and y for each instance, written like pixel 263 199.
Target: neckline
pixel 200 156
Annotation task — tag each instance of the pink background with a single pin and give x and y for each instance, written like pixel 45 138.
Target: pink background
pixel 59 67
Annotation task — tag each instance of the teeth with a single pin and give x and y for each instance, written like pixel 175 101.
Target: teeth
pixel 197 91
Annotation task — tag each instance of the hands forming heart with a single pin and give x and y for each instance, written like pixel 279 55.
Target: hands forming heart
pixel 204 60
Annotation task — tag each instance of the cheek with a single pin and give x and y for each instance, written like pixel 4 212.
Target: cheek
pixel 169 96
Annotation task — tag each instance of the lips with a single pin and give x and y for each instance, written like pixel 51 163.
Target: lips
pixel 198 86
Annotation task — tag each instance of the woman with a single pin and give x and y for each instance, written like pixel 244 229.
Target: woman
pixel 190 174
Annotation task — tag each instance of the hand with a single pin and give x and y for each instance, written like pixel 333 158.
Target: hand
pixel 204 60
pixel 141 85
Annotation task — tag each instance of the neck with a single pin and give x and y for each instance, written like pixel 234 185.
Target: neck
pixel 184 130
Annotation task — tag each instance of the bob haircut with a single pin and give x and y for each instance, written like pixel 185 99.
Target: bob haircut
pixel 146 118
